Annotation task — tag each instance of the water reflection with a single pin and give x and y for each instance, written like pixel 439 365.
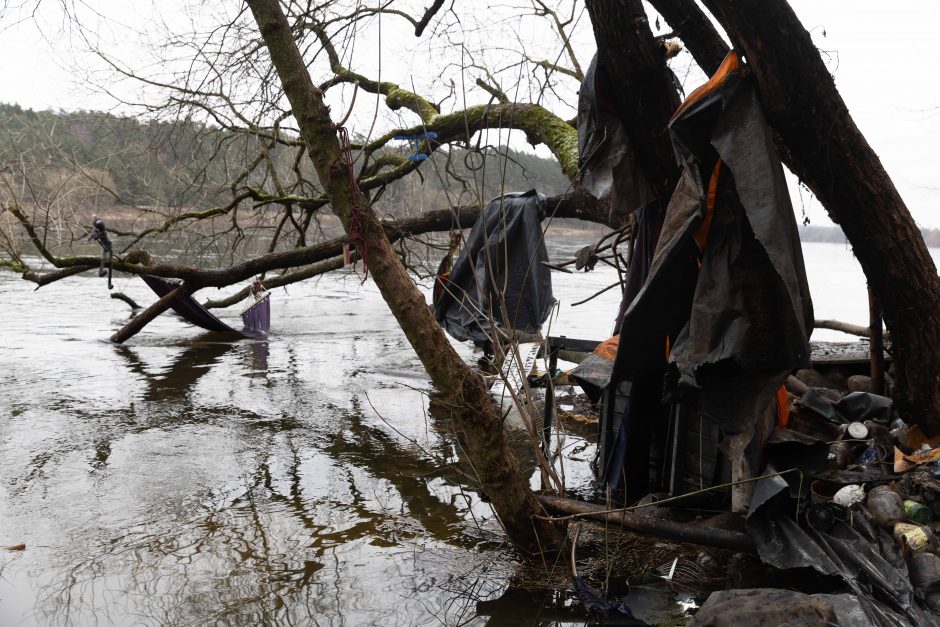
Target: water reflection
pixel 185 369
pixel 182 479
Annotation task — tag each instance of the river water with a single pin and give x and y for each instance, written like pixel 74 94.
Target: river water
pixel 182 479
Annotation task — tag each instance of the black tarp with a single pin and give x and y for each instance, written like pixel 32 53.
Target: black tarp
pixel 608 167
pixel 735 316
pixel 503 256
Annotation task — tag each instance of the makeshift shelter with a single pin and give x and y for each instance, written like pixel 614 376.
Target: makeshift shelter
pixel 725 312
pixel 499 275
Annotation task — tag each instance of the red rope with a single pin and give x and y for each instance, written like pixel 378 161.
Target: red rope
pixel 355 217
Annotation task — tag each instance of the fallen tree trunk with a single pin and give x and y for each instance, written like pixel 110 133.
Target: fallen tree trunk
pixel 656 527
pixel 145 317
pixel 574 205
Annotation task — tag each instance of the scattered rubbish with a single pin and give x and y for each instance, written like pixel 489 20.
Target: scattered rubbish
pixel 903 463
pixel 415 142
pixel 849 495
pixel 256 318
pixel 594 600
pixel 99 233
pixel 917 513
pixel 885 506
pixel 705 394
pixel 913 538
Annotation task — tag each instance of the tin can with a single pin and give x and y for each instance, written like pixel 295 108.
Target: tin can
pixel 924 569
pixel 839 455
pixel 857 431
pixel 917 513
pixel 912 539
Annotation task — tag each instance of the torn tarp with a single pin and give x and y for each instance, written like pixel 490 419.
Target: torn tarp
pixel 851 549
pixel 502 258
pixel 727 299
pixel 608 166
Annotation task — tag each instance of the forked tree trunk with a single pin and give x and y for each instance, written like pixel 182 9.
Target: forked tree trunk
pixel 830 154
pixel 475 415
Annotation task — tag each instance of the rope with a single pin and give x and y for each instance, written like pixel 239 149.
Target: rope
pixel 355 216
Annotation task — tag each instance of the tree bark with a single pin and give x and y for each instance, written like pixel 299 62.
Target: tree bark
pixel 639 523
pixel 830 154
pixel 644 93
pixel 475 416
pixel 145 317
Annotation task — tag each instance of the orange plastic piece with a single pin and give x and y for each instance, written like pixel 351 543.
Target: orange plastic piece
pixel 730 65
pixel 608 348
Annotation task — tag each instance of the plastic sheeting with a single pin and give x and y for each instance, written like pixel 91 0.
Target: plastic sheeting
pixel 773 606
pixel 502 258
pixel 864 557
pixel 608 166
pixel 734 318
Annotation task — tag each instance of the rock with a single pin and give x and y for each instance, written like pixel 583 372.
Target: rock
pixel 859 383
pixel 795 386
pixel 773 606
pixel 839 378
pixel 813 378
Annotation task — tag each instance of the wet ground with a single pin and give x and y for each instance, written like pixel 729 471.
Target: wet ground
pixel 185 478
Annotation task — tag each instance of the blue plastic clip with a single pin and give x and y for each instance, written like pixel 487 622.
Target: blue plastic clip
pixel 415 141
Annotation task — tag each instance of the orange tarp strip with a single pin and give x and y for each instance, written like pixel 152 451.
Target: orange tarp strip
pixel 701 235
pixel 783 408
pixel 730 65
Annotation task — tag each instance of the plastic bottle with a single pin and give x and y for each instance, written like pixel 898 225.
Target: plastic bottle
pixel 918 513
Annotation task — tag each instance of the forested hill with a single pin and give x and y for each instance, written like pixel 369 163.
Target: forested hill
pixel 185 164
pixel 113 160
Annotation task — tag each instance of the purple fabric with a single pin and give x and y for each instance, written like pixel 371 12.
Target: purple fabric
pixel 257 318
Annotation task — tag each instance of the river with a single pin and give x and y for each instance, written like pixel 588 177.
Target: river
pixel 184 480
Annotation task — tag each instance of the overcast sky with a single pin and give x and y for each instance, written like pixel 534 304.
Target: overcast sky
pixel 882 55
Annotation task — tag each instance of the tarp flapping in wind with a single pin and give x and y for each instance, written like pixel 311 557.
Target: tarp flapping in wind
pixel 501 261
pixel 257 318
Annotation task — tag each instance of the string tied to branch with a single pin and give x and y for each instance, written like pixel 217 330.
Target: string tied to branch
pixel 355 228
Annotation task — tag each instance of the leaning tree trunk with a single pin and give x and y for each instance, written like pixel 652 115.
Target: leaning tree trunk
pixel 830 154
pixel 475 415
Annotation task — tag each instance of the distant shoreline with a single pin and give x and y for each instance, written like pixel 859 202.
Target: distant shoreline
pixel 833 234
